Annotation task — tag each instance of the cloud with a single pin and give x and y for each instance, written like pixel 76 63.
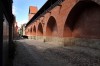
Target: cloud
pixel 22 22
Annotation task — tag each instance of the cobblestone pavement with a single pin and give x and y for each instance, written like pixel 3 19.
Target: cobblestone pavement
pixel 35 53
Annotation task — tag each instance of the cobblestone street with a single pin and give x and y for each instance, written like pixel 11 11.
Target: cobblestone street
pixel 36 53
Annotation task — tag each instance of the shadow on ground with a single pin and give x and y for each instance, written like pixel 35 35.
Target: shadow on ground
pixel 46 55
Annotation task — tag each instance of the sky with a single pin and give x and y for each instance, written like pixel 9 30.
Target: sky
pixel 21 9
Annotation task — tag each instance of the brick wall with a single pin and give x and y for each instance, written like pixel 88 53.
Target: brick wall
pixel 71 18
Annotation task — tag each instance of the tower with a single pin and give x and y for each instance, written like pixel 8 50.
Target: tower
pixel 32 11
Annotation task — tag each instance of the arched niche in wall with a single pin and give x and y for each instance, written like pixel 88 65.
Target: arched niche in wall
pixel 31 30
pixel 40 30
pixel 83 20
pixel 34 31
pixel 51 29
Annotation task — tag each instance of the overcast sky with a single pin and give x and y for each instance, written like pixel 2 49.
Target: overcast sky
pixel 21 8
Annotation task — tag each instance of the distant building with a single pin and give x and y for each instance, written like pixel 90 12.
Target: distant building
pixel 15 30
pixel 22 30
pixel 32 11
pixel 19 31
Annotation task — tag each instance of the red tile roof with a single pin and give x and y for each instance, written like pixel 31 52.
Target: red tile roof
pixel 33 9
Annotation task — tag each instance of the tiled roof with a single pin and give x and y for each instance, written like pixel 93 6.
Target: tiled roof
pixel 33 9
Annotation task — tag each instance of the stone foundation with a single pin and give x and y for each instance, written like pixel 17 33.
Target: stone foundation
pixel 54 40
pixel 40 38
pixel 29 37
pixel 32 37
pixel 92 43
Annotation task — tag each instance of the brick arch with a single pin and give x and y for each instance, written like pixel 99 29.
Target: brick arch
pixel 51 29
pixel 83 20
pixel 31 30
pixel 34 30
pixel 40 30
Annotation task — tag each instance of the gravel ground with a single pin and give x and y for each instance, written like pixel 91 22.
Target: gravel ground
pixel 35 53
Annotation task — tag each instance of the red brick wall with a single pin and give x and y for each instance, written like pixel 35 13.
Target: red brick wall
pixel 34 31
pixel 51 29
pixel 31 15
pixel 88 24
pixel 84 25
pixel 40 30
